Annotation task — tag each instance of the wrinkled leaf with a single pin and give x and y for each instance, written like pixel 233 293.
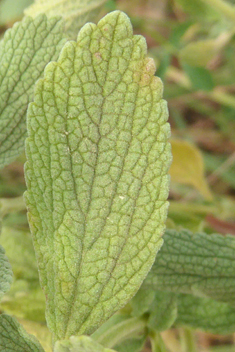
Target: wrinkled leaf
pixel 188 167
pixel 14 338
pixel 96 174
pixel 205 314
pixel 5 273
pixel 40 331
pixel 74 12
pixel 80 344
pixel 199 264
pixel 24 53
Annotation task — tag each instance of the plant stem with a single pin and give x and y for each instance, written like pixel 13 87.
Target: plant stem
pixel 11 205
pixel 121 331
pixel 187 339
pixel 222 7
pixel 157 342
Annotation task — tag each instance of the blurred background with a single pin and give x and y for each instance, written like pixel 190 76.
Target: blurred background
pixel 193 45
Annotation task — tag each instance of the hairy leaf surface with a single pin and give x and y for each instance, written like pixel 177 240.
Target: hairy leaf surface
pixel 75 12
pixel 200 264
pixel 96 174
pixel 14 338
pixel 5 273
pixel 24 52
pixel 80 344
pixel 205 314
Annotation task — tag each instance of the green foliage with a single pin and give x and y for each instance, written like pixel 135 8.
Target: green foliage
pixel 80 344
pixel 14 338
pixel 198 264
pixel 75 13
pixel 96 175
pixel 24 53
pixel 11 10
pixel 5 273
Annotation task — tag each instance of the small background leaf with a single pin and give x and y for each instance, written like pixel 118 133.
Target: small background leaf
pixel 188 167
pixel 14 338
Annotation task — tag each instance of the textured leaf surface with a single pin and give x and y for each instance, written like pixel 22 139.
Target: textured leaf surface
pixel 205 314
pixel 5 273
pixel 80 344
pixel 14 338
pixel 75 12
pixel 96 174
pixel 24 53
pixel 199 264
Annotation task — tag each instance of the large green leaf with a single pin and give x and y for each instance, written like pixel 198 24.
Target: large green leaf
pixel 75 12
pixel 5 273
pixel 14 338
pixel 96 174
pixel 200 264
pixel 24 53
pixel 80 344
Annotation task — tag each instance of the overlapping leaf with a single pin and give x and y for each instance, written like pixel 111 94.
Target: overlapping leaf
pixel 97 174
pixel 205 314
pixel 24 53
pixel 5 273
pixel 199 264
pixel 75 12
pixel 14 338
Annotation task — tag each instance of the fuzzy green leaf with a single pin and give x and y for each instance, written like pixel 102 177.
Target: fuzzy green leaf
pixel 200 264
pixel 75 13
pixel 205 314
pixel 96 174
pixel 5 273
pixel 80 344
pixel 24 52
pixel 14 338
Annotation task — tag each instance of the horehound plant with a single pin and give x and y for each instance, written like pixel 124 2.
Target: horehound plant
pixel 97 185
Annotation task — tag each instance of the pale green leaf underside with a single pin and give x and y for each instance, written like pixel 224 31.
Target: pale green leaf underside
pixel 24 52
pixel 200 264
pixel 14 338
pixel 80 344
pixel 96 174
pixel 75 12
pixel 5 273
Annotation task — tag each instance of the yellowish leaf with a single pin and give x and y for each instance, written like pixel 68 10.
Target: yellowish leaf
pixel 188 168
